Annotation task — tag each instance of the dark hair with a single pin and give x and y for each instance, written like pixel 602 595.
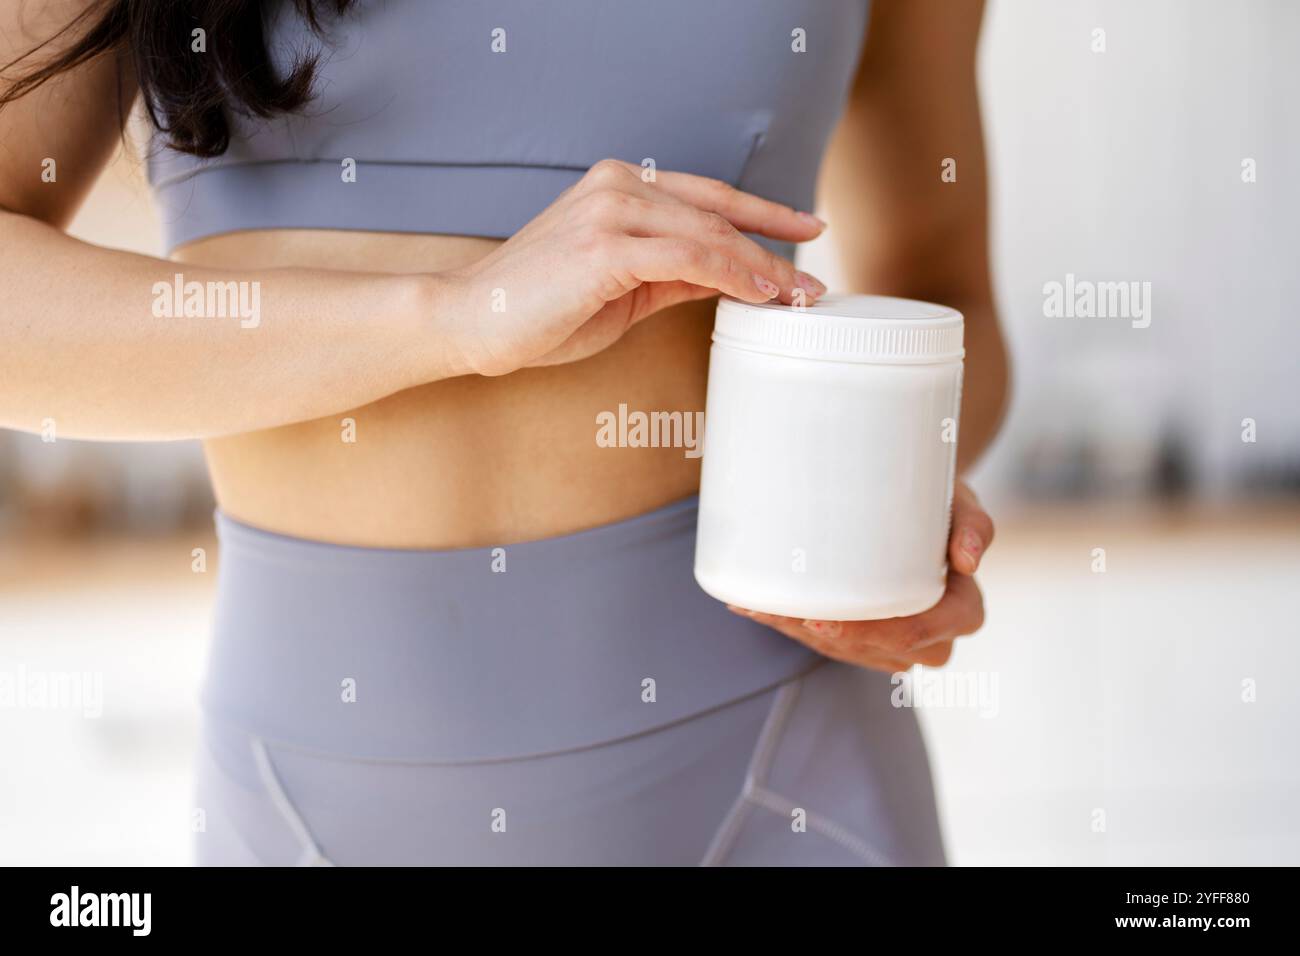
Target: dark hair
pixel 186 94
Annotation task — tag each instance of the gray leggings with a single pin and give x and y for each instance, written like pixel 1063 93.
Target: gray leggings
pixel 576 700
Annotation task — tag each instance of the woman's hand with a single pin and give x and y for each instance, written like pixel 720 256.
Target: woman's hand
pixel 895 644
pixel 612 250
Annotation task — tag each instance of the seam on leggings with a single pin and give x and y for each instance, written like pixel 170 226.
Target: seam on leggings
pixel 754 792
pixel 827 827
pixel 239 837
pixel 243 842
pixel 311 853
pixel 760 762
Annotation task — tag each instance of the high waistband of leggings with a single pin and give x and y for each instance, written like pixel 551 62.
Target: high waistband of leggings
pixel 479 653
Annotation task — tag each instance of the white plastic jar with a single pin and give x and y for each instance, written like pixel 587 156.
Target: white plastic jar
pixel 830 448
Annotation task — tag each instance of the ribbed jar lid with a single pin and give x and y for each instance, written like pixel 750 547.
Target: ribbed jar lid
pixel 845 328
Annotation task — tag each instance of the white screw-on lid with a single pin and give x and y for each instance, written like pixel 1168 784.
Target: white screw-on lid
pixel 845 328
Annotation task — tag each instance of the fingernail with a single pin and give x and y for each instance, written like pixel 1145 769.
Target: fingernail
pixel 971 545
pixel 812 220
pixel 765 286
pixel 810 283
pixel 829 629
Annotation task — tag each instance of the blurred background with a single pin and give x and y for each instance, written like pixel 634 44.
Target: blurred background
pixel 1136 714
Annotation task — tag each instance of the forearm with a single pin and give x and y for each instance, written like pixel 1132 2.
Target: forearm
pixel 985 375
pixel 947 264
pixel 97 341
pixel 985 384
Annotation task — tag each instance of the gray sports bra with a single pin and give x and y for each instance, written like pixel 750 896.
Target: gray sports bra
pixel 468 117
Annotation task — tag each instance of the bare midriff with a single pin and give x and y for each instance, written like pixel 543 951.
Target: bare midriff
pixel 468 461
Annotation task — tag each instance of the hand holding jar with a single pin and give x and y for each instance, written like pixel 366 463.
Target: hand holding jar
pixel 828 506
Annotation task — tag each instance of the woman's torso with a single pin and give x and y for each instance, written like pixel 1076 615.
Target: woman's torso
pixel 459 134
pixel 468 461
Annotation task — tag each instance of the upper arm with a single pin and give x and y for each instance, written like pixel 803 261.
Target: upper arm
pixel 74 120
pixel 912 106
